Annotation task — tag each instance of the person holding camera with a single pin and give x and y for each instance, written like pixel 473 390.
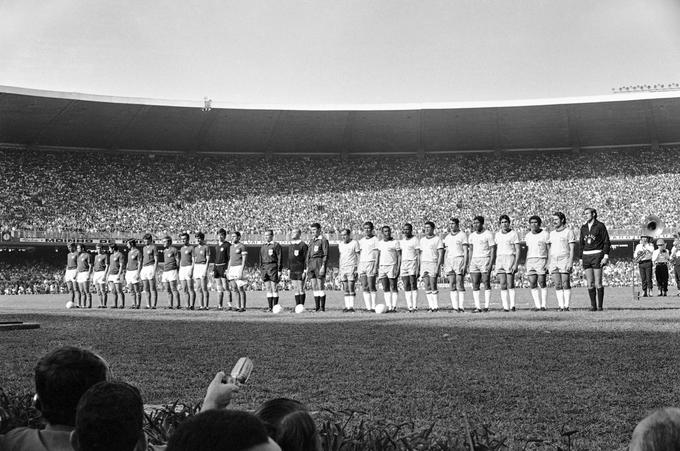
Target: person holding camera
pixel 643 257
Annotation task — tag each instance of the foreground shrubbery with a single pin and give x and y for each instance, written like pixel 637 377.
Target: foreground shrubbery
pixel 340 431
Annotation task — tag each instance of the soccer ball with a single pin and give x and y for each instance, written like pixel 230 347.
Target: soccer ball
pixel 70 304
pixel 299 308
pixel 277 309
pixel 380 308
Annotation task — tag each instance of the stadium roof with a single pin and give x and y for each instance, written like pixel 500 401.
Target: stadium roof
pixel 47 119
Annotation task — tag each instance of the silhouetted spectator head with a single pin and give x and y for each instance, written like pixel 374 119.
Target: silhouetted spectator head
pixel 271 412
pixel 222 430
pixel 660 431
pixel 110 417
pixel 297 432
pixel 61 378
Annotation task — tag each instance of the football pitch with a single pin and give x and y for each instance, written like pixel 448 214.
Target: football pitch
pixel 523 375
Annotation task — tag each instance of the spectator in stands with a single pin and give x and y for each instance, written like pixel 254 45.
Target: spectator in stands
pixel 660 431
pixel 110 417
pixel 61 378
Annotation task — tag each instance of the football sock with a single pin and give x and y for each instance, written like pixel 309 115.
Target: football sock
pixel 535 295
pixel 487 297
pixel 367 300
pixel 322 298
pixel 407 295
pixel 388 299
pixel 475 297
pixel 461 300
pixel 559 294
pixel 435 300
pixel 600 297
pixel 351 301
pixel 374 295
pixel 544 297
pixel 297 299
pixel 504 299
pixel 454 299
pixel 270 301
pixel 511 293
pixel 275 298
pixel 303 296
pixel 428 296
pixel 567 297
pixel 395 296
pixel 317 303
pixel 591 295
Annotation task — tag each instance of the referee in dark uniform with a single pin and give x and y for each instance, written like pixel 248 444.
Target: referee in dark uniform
pixel 595 246
pixel 220 267
pixel 270 258
pixel 317 258
pixel 297 265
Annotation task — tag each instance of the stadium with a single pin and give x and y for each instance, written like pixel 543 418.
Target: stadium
pixel 97 169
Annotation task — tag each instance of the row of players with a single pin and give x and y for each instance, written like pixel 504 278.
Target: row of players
pixel 367 260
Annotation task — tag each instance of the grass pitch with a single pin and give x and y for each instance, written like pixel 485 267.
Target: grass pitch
pixel 524 375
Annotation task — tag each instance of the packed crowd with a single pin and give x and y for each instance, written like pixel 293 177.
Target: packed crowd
pixel 90 192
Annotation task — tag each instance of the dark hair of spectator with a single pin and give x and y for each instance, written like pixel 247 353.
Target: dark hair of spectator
pixel 315 225
pixel 147 236
pixel 200 236
pixel 61 378
pixel 219 430
pixel 369 224
pixel 455 221
pixel 222 232
pixel 537 219
pixel 113 246
pixel 132 242
pixel 184 235
pixel 110 417
pixel 237 233
pixel 168 238
pixel 71 245
pixel 503 217
pixel 271 412
pixel 346 231
pixel 561 216
pixel 269 231
pixel 297 432
pixel 430 223
pixel 479 219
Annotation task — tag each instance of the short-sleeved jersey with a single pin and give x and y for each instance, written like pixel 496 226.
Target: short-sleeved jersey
pixel 505 242
pixel 537 244
pixel 481 244
pixel 100 261
pixel 318 248
pixel 297 255
pixel 368 246
pixel 429 248
pixel 170 258
pixel 149 255
pixel 389 252
pixel 349 253
pixel 222 252
pixel 455 245
pixel 270 253
pixel 186 255
pixel 116 262
pixel 559 242
pixel 133 259
pixel 72 260
pixel 236 253
pixel 410 248
pixel 84 261
pixel 201 252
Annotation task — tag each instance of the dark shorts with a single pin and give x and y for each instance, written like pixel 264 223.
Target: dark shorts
pixel 220 272
pixel 592 261
pixel 314 267
pixel 270 273
pixel 296 273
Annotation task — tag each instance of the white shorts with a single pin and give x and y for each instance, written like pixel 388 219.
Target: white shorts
pixel 132 277
pixel 347 274
pixel 185 273
pixel 504 263
pixel 200 270
pixel 98 277
pixel 83 277
pixel 147 273
pixel 479 264
pixel 536 265
pixel 235 273
pixel 559 265
pixel 367 268
pixel 455 266
pixel 428 268
pixel 114 278
pixel 389 271
pixel 70 275
pixel 169 276
pixel 408 268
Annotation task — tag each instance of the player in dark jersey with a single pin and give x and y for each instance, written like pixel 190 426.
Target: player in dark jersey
pixel 317 258
pixel 71 273
pixel 297 264
pixel 132 270
pixel 148 272
pixel 270 259
pixel 201 257
pixel 220 268
pixel 115 275
pixel 100 267
pixel 170 267
pixel 186 268
pixel 83 278
pixel 595 246
pixel 237 261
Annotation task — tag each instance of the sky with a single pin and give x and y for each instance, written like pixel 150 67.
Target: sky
pixel 339 52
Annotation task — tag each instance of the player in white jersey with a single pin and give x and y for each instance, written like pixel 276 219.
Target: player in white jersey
pixel 482 257
pixel 562 243
pixel 538 248
pixel 368 265
pixel 409 247
pixel 388 268
pixel 431 258
pixel 455 264
pixel 507 260
pixel 349 259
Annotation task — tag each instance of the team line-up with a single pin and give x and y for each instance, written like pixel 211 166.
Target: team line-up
pixel 366 261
